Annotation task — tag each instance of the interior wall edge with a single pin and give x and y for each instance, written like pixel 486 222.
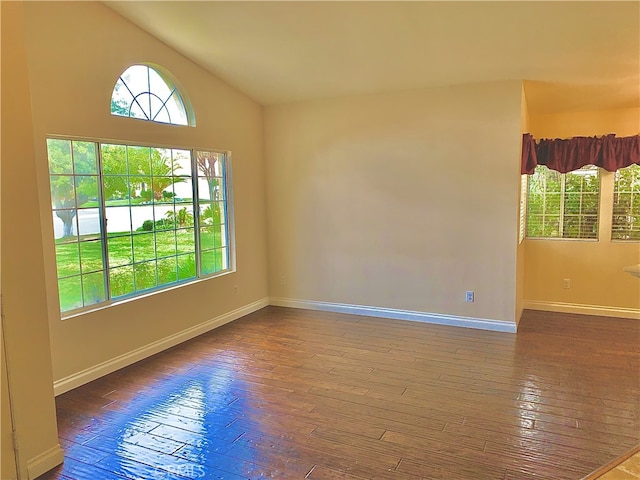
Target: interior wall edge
pixel 70 382
pixel 582 309
pixel 26 336
pixel 397 314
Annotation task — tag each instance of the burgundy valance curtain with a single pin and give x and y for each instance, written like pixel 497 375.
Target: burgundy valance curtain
pixel 566 155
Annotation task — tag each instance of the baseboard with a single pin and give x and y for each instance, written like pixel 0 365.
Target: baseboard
pixel 80 378
pixel 45 461
pixel 600 472
pixel 598 310
pixel 414 316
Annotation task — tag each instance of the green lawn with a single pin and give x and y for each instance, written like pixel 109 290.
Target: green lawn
pixel 137 262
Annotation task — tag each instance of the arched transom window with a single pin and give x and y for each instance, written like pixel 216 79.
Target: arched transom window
pixel 142 92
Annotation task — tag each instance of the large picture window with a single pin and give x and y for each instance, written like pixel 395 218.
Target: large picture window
pixel 133 219
pixel 563 205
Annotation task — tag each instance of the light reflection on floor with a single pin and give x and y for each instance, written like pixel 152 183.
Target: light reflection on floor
pixel 179 429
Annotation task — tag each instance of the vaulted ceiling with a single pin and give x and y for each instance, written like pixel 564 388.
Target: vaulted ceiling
pixel 571 55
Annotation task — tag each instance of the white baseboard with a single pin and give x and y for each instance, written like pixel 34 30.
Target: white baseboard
pixel 438 318
pixel 80 378
pixel 45 461
pixel 599 310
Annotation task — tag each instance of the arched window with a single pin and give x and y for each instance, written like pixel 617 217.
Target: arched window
pixel 142 92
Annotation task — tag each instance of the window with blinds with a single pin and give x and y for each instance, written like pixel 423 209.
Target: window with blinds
pixel 563 205
pixel 625 223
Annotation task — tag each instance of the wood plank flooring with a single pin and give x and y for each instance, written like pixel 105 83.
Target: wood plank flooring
pixel 294 394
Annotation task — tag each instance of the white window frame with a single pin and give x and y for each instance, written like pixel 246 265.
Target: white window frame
pixel 154 108
pixel 229 217
pixel 562 211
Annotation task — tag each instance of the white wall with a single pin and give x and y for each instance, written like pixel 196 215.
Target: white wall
pixel 76 51
pixel 401 200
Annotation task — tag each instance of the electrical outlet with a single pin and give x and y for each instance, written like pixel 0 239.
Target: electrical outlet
pixel 470 296
pixel 283 280
pixel 235 289
pixel 566 283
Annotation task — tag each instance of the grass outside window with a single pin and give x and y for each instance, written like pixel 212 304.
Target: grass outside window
pixel 124 218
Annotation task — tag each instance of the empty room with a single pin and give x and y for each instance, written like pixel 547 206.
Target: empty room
pixel 321 240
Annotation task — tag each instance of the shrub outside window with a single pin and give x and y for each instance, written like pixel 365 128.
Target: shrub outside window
pixel 625 224
pixel 133 219
pixel 563 205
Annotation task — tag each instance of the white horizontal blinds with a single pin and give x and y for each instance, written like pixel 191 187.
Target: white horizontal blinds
pixel 158 233
pixel 625 223
pixel 581 202
pixel 523 208
pixel 563 205
pixel 544 203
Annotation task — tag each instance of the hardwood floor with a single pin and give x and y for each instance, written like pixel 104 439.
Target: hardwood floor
pixel 287 393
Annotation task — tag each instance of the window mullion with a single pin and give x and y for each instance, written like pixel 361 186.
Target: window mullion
pixel 149 90
pixel 196 210
pixel 580 209
pixel 563 179
pixel 76 220
pixel 227 199
pixel 632 196
pixel 544 205
pixel 102 215
pixel 164 105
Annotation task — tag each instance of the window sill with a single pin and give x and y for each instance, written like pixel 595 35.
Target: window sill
pixel 132 298
pixel 558 239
